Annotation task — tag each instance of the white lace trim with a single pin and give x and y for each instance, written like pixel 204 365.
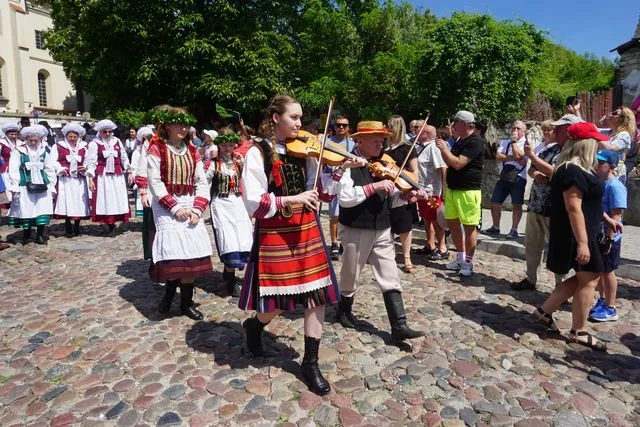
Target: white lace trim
pixel 297 289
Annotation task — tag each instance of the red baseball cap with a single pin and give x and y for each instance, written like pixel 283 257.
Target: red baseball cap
pixel 585 130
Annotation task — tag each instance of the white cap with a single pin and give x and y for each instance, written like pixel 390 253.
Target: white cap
pixel 464 116
pixel 142 132
pixel 38 131
pixel 567 119
pixel 105 124
pixel 74 127
pixel 8 127
pixel 212 133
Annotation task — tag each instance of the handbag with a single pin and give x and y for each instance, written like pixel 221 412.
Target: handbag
pixel 36 188
pixel 509 173
pixel 604 243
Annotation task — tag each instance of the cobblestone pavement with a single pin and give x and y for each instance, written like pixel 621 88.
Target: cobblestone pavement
pixel 82 344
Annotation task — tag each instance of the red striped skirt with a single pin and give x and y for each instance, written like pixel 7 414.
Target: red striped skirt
pixel 288 265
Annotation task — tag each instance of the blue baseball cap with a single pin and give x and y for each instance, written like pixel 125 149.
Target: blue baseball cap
pixel 609 156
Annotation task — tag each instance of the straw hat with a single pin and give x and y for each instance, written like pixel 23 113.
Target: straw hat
pixel 370 127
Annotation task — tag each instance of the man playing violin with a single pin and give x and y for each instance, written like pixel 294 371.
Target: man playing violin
pixel 365 203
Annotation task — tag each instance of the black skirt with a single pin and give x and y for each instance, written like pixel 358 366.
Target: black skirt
pixel 401 219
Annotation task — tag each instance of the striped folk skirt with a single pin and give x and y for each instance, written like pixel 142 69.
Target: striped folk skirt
pixel 288 265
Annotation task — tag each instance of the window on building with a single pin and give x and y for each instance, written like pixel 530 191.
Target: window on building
pixel 42 89
pixel 1 73
pixel 39 40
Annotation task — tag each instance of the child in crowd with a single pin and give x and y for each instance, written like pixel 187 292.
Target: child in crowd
pixel 614 201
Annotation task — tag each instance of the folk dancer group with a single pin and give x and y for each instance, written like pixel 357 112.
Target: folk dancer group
pixel 71 180
pixel 286 261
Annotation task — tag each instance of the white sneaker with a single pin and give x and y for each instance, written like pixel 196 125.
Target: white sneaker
pixel 466 269
pixel 454 266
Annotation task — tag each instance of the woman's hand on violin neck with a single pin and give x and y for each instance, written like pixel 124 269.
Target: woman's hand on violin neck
pixel 309 199
pixel 385 186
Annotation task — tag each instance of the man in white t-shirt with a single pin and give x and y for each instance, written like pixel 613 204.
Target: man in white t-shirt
pixel 512 158
pixel 432 170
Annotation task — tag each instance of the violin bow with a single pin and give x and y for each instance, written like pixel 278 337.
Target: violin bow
pixel 324 140
pixel 413 144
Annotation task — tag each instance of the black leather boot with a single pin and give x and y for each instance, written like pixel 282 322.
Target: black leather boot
pixel 233 286
pixel 40 235
pixel 68 228
pixel 169 292
pixel 310 370
pixel 26 235
pixel 76 227
pixel 186 302
pixel 345 315
pixel 253 329
pixel 397 317
pixel 112 230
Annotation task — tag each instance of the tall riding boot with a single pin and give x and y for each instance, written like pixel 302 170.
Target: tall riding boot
pixel 112 230
pixel 169 292
pixel 310 370
pixel 40 235
pixel 345 315
pixel 76 227
pixel 253 329
pixel 233 286
pixel 26 235
pixel 68 228
pixel 186 302
pixel 397 317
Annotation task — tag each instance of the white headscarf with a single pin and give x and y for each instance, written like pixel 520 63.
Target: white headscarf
pixel 105 124
pixel 74 127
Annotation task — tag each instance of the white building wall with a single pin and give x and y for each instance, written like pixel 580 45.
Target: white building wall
pixel 23 60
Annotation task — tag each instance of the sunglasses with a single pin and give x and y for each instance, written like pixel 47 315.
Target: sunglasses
pixel 615 113
pixel 106 131
pixel 342 125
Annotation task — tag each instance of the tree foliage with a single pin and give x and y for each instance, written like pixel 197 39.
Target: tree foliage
pixel 377 58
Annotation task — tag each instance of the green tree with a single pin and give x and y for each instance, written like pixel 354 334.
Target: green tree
pixel 476 63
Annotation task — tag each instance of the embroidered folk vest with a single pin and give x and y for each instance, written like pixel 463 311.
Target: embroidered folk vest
pixel 102 160
pixel 25 174
pixel 178 173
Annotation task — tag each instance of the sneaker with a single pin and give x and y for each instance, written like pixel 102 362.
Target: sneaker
pixel 597 306
pixel 492 230
pixel 335 251
pixel 466 269
pixel 514 233
pixel 454 266
pixel 605 314
pixel 523 285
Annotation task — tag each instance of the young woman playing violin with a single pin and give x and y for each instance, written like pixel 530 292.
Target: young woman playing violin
pixel 366 201
pixel 288 265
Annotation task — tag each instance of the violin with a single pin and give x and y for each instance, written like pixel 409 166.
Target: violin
pixel 383 168
pixel 306 144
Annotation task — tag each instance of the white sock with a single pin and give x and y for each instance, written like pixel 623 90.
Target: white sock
pixel 461 256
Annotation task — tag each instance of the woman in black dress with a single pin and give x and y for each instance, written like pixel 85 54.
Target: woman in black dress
pixel 402 216
pixel 576 215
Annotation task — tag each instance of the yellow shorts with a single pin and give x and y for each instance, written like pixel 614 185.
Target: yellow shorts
pixel 464 205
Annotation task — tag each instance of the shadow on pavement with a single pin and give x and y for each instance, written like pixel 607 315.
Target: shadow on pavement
pixel 225 342
pixel 513 323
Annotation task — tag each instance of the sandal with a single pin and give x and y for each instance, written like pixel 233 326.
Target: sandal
pixel 545 319
pixel 590 341
pixel 408 266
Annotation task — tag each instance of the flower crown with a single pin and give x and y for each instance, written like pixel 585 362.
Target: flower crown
pixel 170 117
pixel 230 137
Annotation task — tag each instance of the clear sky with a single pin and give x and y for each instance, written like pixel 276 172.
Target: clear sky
pixel 585 26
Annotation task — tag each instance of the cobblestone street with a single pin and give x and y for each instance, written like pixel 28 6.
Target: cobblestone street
pixel 83 344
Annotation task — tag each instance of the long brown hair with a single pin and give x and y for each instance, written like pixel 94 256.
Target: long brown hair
pixel 277 105
pixel 163 134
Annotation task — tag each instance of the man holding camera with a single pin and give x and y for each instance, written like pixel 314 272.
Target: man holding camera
pixel 512 180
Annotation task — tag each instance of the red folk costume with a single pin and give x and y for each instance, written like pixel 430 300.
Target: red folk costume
pixel 176 181
pixel 288 264
pixel 72 201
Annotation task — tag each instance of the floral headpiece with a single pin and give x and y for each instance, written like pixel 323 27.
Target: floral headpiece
pixel 167 117
pixel 230 137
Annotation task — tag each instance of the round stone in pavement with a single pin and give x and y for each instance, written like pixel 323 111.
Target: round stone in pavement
pixel 169 419
pixel 569 419
pixel 449 412
pixel 174 392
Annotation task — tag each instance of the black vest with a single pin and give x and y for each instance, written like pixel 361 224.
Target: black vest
pixel 293 172
pixel 373 213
